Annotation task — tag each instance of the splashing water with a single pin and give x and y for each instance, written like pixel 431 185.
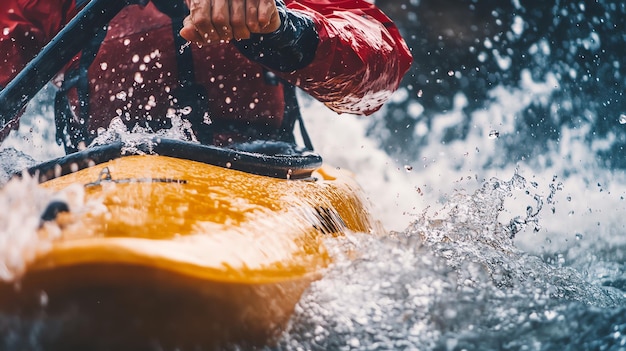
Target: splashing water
pixel 21 205
pixel 473 262
pixel 532 263
pixel 452 281
pixel 23 232
pixel 14 162
pixel 118 132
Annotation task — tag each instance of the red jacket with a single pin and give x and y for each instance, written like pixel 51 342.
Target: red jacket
pixel 359 62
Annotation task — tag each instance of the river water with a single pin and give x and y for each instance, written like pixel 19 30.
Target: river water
pixel 501 237
pixel 520 257
pixel 505 189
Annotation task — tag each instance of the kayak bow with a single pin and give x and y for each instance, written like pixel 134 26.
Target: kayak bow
pixel 186 252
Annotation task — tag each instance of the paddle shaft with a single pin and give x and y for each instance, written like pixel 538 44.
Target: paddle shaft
pixel 56 54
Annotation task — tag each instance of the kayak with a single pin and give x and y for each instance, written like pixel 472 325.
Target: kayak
pixel 178 245
pixel 187 246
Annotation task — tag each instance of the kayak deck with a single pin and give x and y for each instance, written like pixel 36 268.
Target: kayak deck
pixel 189 251
pixel 205 218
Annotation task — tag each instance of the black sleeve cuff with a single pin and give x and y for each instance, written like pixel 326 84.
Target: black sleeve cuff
pixel 290 47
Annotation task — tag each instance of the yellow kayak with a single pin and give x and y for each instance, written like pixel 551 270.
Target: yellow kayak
pixel 188 247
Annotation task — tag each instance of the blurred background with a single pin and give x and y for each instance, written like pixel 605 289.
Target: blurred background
pixel 472 47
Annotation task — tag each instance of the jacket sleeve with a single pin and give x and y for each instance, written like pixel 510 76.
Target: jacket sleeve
pixel 25 27
pixel 359 60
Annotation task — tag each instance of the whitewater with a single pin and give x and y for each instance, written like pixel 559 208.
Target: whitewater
pixel 481 253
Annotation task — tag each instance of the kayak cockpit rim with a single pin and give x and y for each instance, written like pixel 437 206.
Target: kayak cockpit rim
pixel 292 164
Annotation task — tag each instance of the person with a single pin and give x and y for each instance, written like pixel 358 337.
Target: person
pixel 228 66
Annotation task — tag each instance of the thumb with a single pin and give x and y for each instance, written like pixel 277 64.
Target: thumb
pixel 189 31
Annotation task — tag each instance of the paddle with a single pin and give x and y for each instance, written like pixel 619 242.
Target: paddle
pixel 56 54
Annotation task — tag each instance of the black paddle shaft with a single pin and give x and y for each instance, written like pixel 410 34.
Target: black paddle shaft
pixel 56 54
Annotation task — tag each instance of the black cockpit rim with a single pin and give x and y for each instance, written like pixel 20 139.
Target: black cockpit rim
pixel 298 165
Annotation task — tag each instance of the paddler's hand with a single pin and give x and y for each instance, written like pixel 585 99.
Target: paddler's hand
pixel 212 21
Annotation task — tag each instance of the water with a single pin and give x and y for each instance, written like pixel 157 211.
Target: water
pixel 522 257
pixel 498 170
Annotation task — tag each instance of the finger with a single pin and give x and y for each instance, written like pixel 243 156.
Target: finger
pixel 201 20
pixel 269 20
pixel 190 33
pixel 238 19
pixel 252 16
pixel 220 16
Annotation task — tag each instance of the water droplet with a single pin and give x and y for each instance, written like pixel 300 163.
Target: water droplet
pixel 207 119
pixel 184 46
pixel 579 236
pixel 622 118
pixel 135 58
pixel 138 78
pixel 6 31
pixel 43 299
pixel 408 168
pixel 121 95
pixel 493 134
pixel 186 110
pixel 354 343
